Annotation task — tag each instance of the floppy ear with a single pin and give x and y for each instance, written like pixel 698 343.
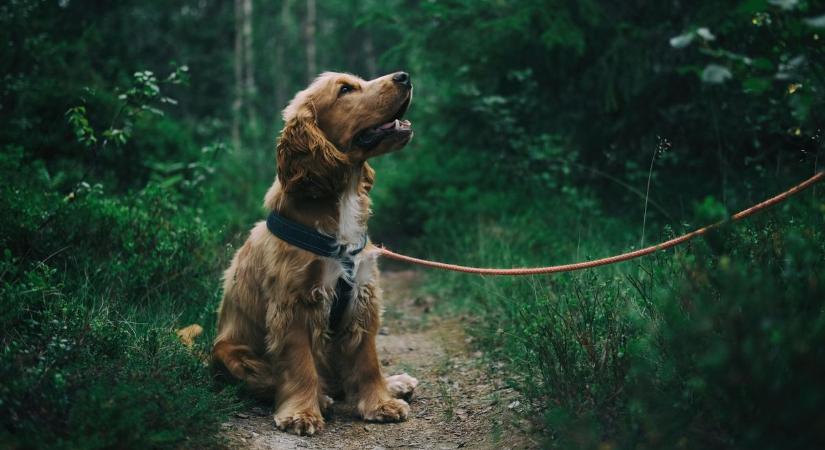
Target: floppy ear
pixel 308 164
pixel 367 177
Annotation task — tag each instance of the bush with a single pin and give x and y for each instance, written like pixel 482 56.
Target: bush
pixel 78 374
pixel 92 292
pixel 735 349
pixel 713 346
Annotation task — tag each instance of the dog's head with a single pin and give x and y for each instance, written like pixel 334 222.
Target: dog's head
pixel 337 122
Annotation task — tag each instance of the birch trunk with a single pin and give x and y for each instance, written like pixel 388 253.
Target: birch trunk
pixel 237 104
pixel 309 36
pixel 281 74
pixel 249 64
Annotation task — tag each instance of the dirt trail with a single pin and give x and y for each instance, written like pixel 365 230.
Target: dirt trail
pixel 457 404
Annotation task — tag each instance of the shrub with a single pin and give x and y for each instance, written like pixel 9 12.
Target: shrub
pixel 83 376
pixel 92 290
pixel 734 360
pixel 711 346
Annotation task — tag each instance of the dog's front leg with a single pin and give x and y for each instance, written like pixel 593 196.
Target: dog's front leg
pixel 362 374
pixel 299 387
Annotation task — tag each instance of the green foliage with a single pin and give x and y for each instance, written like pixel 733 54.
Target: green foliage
pixel 540 126
pixel 516 103
pixel 105 252
pixel 92 292
pixel 83 132
pixel 78 375
pixel 714 346
pixel 614 82
pixel 738 336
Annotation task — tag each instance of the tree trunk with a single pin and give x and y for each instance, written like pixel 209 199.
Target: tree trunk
pixel 309 36
pixel 249 64
pixel 237 104
pixel 281 73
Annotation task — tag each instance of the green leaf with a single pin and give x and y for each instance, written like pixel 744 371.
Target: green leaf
pixel 756 85
pixel 763 64
pixel 752 6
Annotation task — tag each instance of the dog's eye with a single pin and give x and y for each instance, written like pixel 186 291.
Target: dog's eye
pixel 345 89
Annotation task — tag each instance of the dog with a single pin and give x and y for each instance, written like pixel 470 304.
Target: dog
pixel 301 303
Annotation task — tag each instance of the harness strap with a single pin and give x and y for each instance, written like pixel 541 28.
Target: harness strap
pixel 321 244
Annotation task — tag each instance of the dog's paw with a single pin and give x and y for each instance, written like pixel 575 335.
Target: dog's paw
pixel 325 402
pixel 401 386
pixel 300 423
pixel 391 410
pixel 187 335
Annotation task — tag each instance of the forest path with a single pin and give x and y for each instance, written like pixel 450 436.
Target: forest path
pixel 457 404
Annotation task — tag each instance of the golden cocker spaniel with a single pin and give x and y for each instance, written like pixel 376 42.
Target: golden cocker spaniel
pixel 301 304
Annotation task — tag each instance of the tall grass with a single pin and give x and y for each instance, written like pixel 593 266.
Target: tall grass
pixel 92 287
pixel 712 345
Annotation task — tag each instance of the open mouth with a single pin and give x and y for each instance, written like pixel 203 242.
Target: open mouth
pixel 370 137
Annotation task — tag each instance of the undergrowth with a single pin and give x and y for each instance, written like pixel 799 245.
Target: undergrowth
pixel 96 276
pixel 712 345
pixel 92 288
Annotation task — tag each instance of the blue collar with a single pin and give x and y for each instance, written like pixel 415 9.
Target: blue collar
pixel 324 245
pixel 308 238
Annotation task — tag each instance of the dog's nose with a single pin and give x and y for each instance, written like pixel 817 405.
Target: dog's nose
pixel 402 78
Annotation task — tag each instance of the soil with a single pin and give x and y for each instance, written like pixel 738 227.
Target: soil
pixel 459 401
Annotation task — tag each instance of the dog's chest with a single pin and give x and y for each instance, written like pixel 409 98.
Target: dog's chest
pixel 345 282
pixel 361 268
pixel 352 215
pixel 362 273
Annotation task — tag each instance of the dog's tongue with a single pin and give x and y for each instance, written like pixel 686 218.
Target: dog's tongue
pixel 388 125
pixel 395 124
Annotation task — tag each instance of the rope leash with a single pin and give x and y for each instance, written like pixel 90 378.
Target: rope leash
pixel 612 259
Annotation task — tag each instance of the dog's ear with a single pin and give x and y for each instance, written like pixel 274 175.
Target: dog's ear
pixel 308 163
pixel 367 177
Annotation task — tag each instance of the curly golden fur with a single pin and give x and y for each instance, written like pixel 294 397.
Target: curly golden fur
pixel 273 322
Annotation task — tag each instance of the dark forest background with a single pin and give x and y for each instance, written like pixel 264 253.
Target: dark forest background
pixel 137 141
